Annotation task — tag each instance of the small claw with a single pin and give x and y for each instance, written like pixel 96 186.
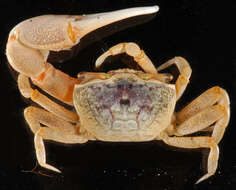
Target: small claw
pixel 91 22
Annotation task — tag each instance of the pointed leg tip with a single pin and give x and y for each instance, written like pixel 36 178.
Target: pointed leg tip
pixel 57 170
pixel 203 178
pixel 49 167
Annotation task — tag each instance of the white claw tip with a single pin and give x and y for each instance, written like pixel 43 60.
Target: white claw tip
pixel 148 9
pixel 155 8
pixel 95 21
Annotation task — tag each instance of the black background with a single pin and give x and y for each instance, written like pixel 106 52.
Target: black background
pixel 201 31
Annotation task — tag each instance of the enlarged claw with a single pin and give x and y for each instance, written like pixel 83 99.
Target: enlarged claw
pixel 60 32
pixel 30 41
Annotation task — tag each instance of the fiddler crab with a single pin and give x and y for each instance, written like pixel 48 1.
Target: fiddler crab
pixel 123 105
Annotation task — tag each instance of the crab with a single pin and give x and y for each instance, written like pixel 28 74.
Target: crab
pixel 123 105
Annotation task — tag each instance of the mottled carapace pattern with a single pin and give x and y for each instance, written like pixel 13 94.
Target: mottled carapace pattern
pixel 124 106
